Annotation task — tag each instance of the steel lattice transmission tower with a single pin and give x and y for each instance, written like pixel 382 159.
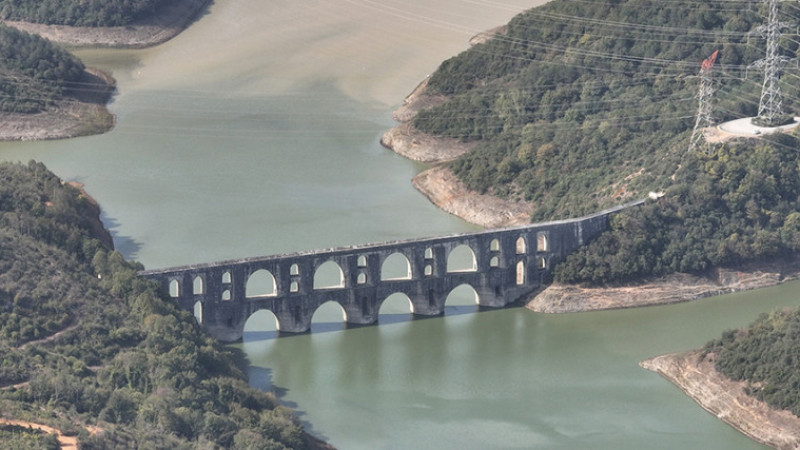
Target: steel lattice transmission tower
pixel 769 107
pixel 704 118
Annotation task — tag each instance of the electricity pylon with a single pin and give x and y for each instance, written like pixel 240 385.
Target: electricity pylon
pixel 769 107
pixel 704 118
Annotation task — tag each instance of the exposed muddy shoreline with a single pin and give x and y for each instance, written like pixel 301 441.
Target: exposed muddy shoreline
pixel 695 375
pixel 84 112
pixel 80 113
pixel 162 26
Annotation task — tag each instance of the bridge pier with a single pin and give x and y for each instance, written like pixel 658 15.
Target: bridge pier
pixel 361 307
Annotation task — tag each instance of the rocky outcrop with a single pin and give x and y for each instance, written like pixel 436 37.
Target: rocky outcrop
pixel 673 288
pixel 695 375
pixel 411 143
pixel 446 191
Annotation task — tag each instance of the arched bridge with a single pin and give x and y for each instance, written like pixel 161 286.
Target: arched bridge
pixel 501 266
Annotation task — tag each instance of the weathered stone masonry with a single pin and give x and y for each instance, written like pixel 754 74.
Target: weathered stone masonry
pixel 506 265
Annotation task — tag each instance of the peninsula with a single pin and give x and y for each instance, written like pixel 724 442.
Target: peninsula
pixel 48 93
pixel 150 27
pixel 77 106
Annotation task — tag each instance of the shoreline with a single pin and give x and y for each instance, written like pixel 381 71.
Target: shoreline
pixel 438 183
pixel 442 188
pixel 695 375
pixel 668 289
pixel 701 382
pixel 79 113
pixel 158 28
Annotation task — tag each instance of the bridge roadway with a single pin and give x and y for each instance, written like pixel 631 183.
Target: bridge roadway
pixel 500 265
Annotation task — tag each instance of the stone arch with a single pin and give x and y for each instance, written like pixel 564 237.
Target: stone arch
pixel 361 261
pixel 226 295
pixel 174 288
pixel 361 278
pixel 428 253
pixel 461 299
pixel 521 247
pixel 329 316
pixel 396 303
pixel 462 259
pixel 542 242
pixel 198 285
pixel 494 246
pixel 520 278
pixel 260 283
pixel 294 270
pixel 329 275
pixel 396 267
pixel 397 307
pixel 198 311
pixel 541 262
pixel 262 324
pixel 494 261
pixel 226 277
pixel 428 270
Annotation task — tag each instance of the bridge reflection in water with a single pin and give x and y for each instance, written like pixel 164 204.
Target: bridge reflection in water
pixel 500 265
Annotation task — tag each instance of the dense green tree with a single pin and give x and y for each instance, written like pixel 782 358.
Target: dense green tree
pixel 739 204
pixel 85 339
pixel 33 71
pixel 85 13
pixel 765 355
pixel 581 105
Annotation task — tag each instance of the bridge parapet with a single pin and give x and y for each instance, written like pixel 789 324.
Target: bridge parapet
pixel 500 265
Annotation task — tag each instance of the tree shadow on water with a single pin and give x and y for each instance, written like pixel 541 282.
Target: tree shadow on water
pixel 261 378
pixel 123 244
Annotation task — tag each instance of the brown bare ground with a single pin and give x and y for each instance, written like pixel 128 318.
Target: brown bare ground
pixel 67 442
pixel 446 191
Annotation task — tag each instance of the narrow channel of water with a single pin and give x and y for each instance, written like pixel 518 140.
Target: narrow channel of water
pixel 256 132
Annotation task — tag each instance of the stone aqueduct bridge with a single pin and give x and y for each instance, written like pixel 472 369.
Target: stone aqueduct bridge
pixel 501 266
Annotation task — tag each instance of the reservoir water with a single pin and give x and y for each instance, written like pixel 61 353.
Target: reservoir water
pixel 256 132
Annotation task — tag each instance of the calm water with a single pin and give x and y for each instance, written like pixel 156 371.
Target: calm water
pixel 256 132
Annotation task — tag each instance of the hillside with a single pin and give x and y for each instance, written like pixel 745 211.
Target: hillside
pixel 45 92
pixel 747 377
pixel 116 23
pixel 576 106
pixel 86 13
pixel 93 351
pixel 765 356
pixel 580 105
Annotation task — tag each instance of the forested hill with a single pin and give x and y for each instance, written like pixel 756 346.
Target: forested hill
pixel 87 345
pixel 765 355
pixel 582 104
pixel 83 13
pixel 34 73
